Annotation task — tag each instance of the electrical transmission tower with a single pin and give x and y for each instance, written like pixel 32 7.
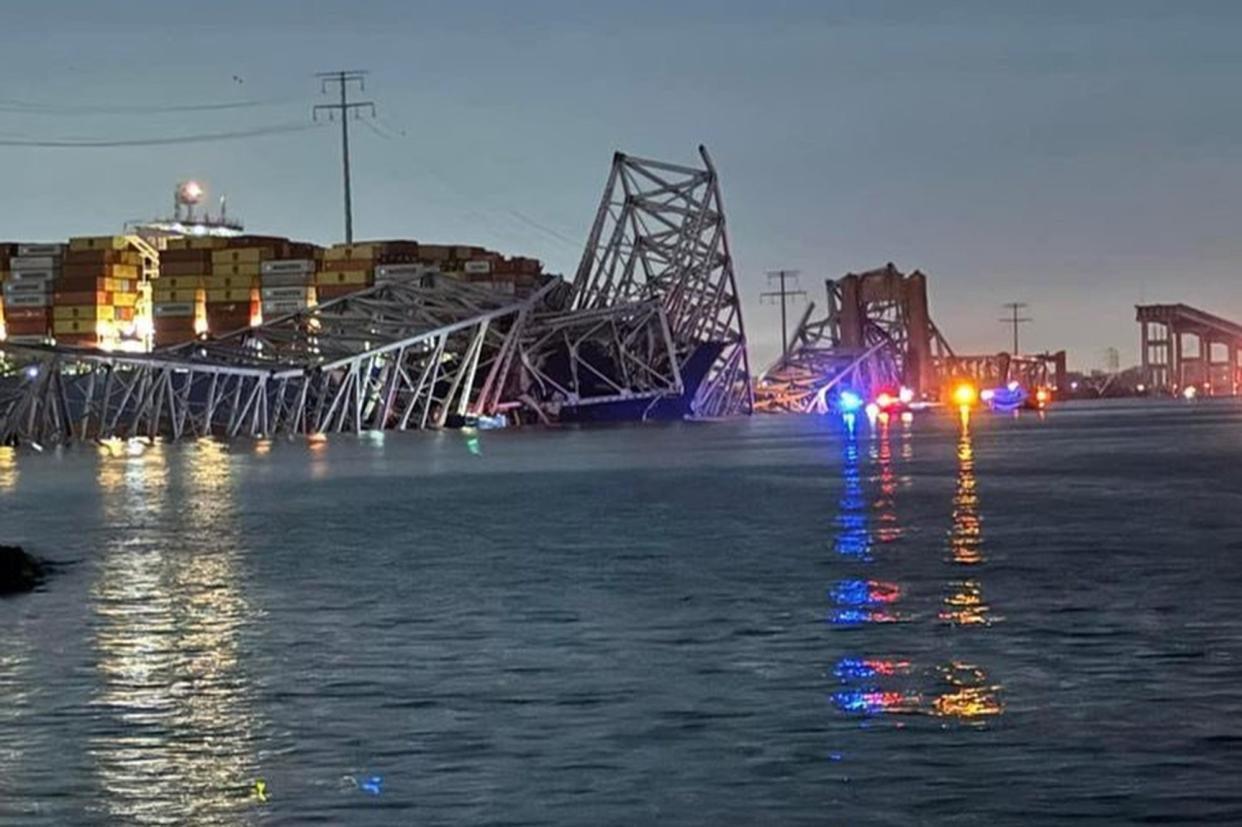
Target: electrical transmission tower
pixel 783 293
pixel 343 79
pixel 1015 320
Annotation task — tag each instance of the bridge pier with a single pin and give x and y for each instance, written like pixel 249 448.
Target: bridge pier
pixel 1179 346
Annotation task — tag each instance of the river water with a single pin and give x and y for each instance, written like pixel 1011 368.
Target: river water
pixel 774 621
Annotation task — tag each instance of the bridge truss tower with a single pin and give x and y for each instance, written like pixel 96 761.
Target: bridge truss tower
pixel 659 235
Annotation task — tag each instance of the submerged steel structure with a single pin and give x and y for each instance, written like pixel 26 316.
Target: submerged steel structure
pixel 652 326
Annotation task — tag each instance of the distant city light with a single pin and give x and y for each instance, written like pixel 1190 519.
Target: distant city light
pixel 1190 392
pixel 849 401
pixel 965 395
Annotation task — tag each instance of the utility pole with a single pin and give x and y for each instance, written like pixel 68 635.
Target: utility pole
pixel 343 79
pixel 1015 320
pixel 784 293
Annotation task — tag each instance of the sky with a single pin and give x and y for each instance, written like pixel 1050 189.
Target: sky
pixel 1080 157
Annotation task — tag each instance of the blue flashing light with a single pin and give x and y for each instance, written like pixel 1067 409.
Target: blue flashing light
pixel 373 784
pixel 865 702
pixel 852 593
pixel 849 401
pixel 853 668
pixel 849 617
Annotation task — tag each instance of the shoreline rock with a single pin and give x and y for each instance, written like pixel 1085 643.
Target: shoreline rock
pixel 19 572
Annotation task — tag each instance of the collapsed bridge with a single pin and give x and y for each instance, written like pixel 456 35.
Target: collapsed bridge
pixel 877 333
pixel 650 327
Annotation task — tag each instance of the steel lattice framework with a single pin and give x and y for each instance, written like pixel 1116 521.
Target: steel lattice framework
pixel 396 356
pixel 876 333
pixel 655 296
pixel 659 235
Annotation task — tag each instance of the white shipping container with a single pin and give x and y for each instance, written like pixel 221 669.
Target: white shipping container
pixel 281 308
pixel 28 300
pixel 483 266
pixel 40 249
pixel 32 275
pixel 33 262
pixel 284 293
pixel 25 288
pixel 291 265
pixel 286 279
pixel 174 309
pixel 395 271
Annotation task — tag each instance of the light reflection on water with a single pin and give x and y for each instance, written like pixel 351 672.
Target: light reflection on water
pixel 893 685
pixel 8 468
pixel 15 708
pixel 853 537
pixel 178 726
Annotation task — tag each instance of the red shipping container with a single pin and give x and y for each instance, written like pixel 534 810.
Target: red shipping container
pixel 24 327
pixel 185 268
pixel 28 314
pixel 100 257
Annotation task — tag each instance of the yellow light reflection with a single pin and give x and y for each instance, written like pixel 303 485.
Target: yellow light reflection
pixel 9 472
pixel 888 529
pixel 966 535
pixel 169 610
pixel 966 606
pixel 972 697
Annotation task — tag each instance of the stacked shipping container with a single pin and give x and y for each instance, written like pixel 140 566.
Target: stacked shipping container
pixel 94 298
pixel 477 265
pixel 286 286
pixel 32 270
pixel 7 250
pixel 234 287
pixel 178 296
pixel 87 294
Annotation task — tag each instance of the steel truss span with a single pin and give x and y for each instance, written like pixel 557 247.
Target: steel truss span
pixel 878 333
pixel 659 235
pixel 652 326
pixel 396 356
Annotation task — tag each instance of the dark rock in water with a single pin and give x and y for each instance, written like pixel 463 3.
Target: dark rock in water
pixel 19 572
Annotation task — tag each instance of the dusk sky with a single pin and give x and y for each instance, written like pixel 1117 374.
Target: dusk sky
pixel 1082 157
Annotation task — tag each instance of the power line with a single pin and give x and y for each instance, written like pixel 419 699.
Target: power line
pixel 1015 320
pixel 104 143
pixel 343 79
pixel 379 127
pixel 31 108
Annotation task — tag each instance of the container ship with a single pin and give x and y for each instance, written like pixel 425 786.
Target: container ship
pixel 171 280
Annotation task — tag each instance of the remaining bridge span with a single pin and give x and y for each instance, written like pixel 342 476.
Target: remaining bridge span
pixel 1183 346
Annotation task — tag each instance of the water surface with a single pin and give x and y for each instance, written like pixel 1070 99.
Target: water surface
pixel 771 621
